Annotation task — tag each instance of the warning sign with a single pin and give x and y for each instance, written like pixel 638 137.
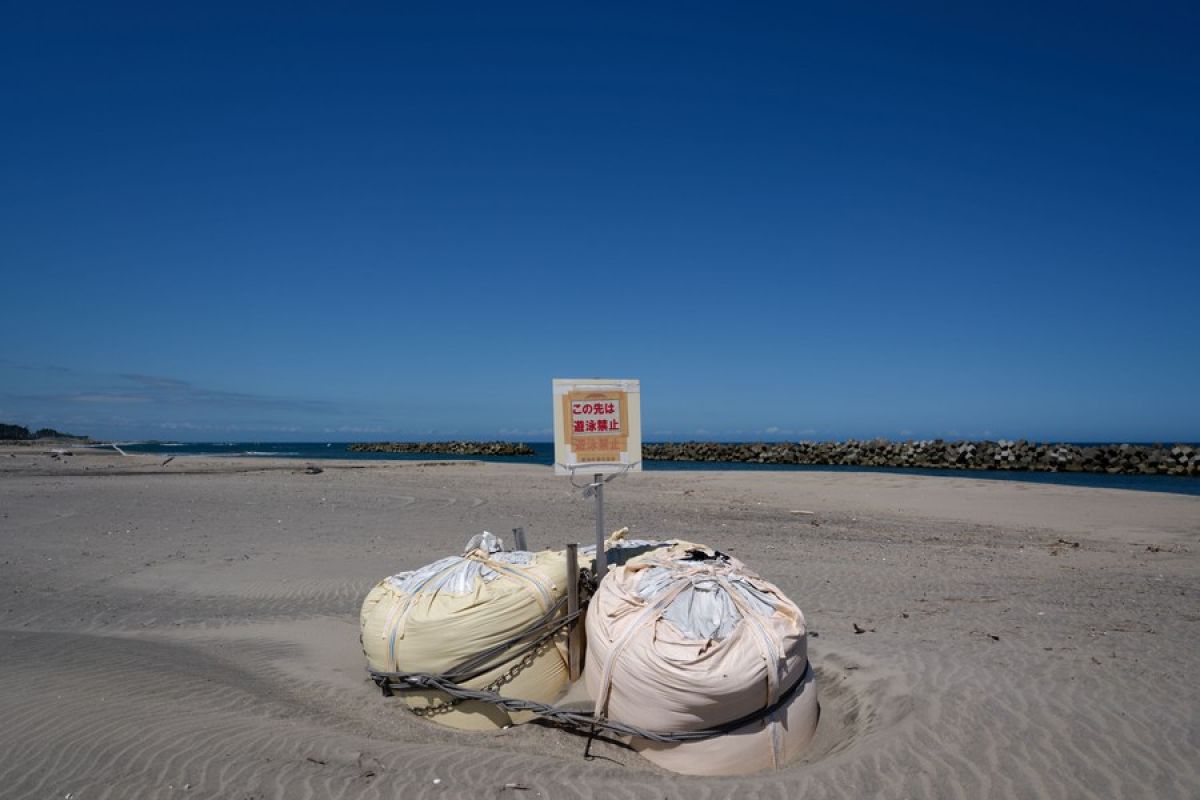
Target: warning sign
pixel 597 426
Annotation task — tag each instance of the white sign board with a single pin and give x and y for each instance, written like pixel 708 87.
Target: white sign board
pixel 597 426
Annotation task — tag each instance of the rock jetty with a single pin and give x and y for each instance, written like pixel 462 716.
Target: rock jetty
pixel 1114 459
pixel 445 448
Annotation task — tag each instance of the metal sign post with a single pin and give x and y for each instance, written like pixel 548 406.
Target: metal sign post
pixel 596 489
pixel 575 634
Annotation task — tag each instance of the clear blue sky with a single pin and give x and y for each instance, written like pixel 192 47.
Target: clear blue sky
pixel 808 221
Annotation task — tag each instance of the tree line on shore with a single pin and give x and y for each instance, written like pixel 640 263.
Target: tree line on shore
pixel 19 433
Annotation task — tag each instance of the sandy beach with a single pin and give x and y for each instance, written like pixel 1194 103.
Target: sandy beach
pixel 191 631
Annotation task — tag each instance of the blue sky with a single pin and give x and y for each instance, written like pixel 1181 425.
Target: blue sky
pixel 297 221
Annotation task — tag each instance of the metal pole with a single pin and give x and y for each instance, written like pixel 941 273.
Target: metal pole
pixel 519 539
pixel 575 631
pixel 601 556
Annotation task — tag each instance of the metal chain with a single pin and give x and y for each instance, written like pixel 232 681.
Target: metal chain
pixel 585 721
pixel 587 586
pixel 506 677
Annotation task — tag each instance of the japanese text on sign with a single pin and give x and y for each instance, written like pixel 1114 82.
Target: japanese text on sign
pixel 600 417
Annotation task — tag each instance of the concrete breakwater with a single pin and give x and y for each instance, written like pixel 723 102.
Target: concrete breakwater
pixel 1113 459
pixel 445 448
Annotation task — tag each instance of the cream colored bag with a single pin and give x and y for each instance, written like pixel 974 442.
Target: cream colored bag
pixel 434 618
pixel 683 639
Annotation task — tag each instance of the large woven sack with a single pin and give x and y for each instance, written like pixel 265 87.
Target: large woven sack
pixel 686 639
pixel 434 618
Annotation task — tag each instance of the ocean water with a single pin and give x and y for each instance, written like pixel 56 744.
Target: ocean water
pixel 544 455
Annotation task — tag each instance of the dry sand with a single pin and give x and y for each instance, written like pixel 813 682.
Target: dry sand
pixel 191 631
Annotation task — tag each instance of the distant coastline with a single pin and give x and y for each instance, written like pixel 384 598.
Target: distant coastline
pixel 1001 455
pixel 1153 473
pixel 445 448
